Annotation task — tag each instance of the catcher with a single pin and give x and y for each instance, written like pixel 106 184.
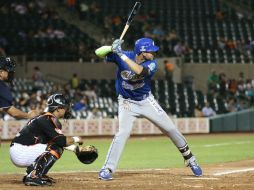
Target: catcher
pixel 48 142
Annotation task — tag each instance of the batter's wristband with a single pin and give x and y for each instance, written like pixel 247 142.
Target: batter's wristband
pixel 124 57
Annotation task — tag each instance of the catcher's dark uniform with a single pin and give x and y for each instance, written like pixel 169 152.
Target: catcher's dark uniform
pixel 42 133
pixel 44 129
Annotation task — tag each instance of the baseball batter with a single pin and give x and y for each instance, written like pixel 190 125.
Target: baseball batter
pixel 40 143
pixel 133 85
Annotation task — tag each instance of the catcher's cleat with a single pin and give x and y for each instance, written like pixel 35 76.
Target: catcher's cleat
pixel 197 171
pixel 48 179
pixel 35 181
pixel 105 174
pixel 24 178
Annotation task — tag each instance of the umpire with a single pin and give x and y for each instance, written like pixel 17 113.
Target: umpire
pixel 7 70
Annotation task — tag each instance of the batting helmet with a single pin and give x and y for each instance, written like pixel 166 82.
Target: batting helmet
pixel 8 64
pixel 145 45
pixel 59 101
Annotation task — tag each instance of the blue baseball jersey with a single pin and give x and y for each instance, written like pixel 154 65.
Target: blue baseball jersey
pixel 5 96
pixel 129 84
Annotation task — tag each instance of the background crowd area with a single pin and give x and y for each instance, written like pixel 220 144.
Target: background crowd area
pixel 181 29
pixel 208 31
pixel 97 98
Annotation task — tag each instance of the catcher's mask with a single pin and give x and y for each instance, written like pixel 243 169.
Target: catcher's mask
pixel 56 101
pixel 8 64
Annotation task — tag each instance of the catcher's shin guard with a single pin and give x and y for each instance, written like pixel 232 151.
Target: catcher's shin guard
pixel 55 153
pixel 30 168
pixel 43 164
pixel 37 171
pixel 53 149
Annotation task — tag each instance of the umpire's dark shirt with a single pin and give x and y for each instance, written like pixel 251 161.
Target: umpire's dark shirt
pixel 44 129
pixel 5 95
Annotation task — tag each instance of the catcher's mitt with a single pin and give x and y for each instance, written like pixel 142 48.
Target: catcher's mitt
pixel 87 154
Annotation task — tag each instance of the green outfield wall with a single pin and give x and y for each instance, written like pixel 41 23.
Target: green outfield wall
pixel 242 121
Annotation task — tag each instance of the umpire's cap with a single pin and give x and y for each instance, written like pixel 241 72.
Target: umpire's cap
pixel 8 64
pixel 145 45
pixel 59 101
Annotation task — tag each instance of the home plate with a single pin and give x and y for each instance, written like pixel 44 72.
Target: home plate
pixel 201 178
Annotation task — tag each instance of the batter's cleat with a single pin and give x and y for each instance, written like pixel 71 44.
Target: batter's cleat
pixel 35 181
pixel 105 174
pixel 197 171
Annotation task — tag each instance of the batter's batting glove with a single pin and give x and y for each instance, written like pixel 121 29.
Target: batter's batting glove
pixel 116 47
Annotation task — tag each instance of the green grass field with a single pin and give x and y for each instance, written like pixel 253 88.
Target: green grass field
pixel 153 152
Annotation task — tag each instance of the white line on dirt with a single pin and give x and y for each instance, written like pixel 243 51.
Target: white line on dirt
pixel 201 178
pixel 97 171
pixel 193 186
pixel 227 144
pixel 130 170
pixel 233 171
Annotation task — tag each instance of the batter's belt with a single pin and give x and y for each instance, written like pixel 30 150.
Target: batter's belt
pixel 137 98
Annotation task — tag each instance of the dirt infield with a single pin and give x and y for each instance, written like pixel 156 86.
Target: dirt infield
pixel 234 175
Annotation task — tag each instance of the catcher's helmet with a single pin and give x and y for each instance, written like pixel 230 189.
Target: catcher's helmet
pixel 59 101
pixel 8 64
pixel 145 45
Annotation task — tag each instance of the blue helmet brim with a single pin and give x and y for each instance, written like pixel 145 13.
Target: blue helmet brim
pixel 153 49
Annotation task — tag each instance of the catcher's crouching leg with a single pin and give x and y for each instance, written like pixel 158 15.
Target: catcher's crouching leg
pixel 37 172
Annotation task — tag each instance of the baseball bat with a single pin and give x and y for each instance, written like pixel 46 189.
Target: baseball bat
pixel 131 15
